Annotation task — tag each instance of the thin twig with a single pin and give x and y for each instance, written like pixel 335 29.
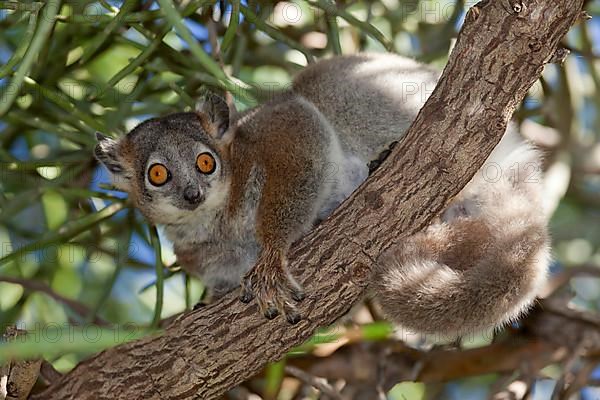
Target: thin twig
pixel 318 383
pixel 580 378
pixel 216 53
pixel 159 267
pixel 38 286
pixel 559 280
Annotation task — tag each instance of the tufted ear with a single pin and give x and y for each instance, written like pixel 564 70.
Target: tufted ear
pixel 108 152
pixel 214 110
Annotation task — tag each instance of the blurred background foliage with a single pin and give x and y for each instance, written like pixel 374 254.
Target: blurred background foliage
pixel 74 254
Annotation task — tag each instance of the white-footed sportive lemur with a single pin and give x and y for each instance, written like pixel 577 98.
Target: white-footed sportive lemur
pixel 234 191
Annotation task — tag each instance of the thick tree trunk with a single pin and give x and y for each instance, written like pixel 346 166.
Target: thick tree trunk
pixel 500 53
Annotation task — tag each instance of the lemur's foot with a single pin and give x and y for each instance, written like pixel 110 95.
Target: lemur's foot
pixel 275 290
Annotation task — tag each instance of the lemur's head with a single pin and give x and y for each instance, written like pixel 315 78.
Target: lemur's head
pixel 173 166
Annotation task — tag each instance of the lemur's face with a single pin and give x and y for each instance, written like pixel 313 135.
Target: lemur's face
pixel 172 167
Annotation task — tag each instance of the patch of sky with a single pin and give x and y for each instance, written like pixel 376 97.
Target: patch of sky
pixel 460 20
pixel 140 250
pixel 543 388
pixel 126 290
pixel 590 393
pixel 135 36
pixel 555 267
pixel 582 64
pixel 465 391
pixel 593 26
pixel 552 74
pixel 595 373
pixel 229 10
pixel 588 117
pixel 132 122
pixel 19 148
pixel 198 30
pixel 115 3
pixel 415 44
pixel 530 103
pixel 5 53
pixel 30 220
pixel 102 177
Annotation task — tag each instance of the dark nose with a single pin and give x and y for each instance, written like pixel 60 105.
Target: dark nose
pixel 192 195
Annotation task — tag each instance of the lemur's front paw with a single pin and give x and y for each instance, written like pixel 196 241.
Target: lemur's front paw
pixel 275 290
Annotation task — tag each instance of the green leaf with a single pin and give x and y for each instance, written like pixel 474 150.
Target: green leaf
pixel 55 339
pixel 68 231
pixel 55 209
pixel 41 35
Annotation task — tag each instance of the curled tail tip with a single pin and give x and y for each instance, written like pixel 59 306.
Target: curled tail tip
pixel 482 266
pixel 431 298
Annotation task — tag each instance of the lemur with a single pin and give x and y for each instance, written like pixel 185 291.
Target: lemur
pixel 234 192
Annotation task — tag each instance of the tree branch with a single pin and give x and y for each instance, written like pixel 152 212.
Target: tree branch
pixel 315 382
pixel 499 54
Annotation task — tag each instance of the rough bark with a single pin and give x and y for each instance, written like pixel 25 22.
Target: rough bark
pixel 499 54
pixel 17 377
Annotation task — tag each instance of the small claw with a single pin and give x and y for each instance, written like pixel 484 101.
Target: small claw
pixel 293 317
pixel 298 295
pixel 100 137
pixel 199 305
pixel 271 313
pixel 246 296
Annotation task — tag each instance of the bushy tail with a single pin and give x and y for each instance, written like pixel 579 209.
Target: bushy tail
pixel 481 264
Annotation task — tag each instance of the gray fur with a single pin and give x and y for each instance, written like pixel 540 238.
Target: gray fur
pixel 369 99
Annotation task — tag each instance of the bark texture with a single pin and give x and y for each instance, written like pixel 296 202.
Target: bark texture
pixel 499 54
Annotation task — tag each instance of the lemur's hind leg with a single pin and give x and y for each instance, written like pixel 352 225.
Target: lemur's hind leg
pixel 463 276
pixel 478 266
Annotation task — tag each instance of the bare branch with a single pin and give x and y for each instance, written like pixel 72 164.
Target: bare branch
pixel 318 383
pixel 37 286
pixel 17 377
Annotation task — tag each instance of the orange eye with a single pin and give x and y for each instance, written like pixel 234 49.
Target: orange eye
pixel 158 174
pixel 206 163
